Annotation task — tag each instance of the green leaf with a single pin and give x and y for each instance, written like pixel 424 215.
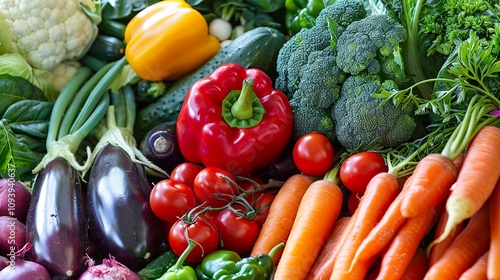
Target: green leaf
pixel 13 89
pixel 16 156
pixel 30 117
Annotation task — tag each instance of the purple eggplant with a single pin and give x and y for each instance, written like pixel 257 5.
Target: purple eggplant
pixel 56 222
pixel 161 147
pixel 121 222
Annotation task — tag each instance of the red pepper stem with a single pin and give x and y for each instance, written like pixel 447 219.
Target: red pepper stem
pixel 242 109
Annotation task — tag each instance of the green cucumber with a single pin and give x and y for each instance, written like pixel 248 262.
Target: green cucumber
pixel 256 48
pixel 112 28
pixel 107 48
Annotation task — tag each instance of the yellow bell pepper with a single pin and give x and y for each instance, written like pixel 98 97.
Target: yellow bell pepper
pixel 167 40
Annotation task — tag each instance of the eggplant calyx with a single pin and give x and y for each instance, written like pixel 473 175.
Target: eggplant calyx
pixel 123 138
pixel 63 148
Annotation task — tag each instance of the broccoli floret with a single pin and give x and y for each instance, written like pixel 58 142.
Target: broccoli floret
pixel 365 43
pixel 360 118
pixel 294 53
pixel 343 12
pixel 310 72
pixel 318 90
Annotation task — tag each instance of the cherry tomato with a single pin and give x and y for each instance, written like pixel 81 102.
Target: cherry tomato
pixel 185 173
pixel 353 201
pixel 202 231
pixel 213 189
pixel 313 154
pixel 237 233
pixel 261 202
pixel 171 199
pixel 357 170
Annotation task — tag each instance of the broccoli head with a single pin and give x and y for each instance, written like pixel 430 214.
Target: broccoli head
pixel 295 52
pixel 317 92
pixel 366 44
pixel 359 118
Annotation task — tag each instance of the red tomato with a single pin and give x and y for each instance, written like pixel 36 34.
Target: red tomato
pixel 185 173
pixel 313 154
pixel 237 233
pixel 171 199
pixel 213 189
pixel 202 231
pixel 353 201
pixel 357 170
pixel 261 202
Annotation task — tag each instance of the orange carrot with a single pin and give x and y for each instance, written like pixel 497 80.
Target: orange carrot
pixel 322 267
pixel 478 270
pixel 438 249
pixel 494 256
pixel 318 211
pixel 417 267
pixel 380 192
pixel 281 215
pixel 381 234
pixel 431 181
pixel 476 180
pixel 465 250
pixel 405 243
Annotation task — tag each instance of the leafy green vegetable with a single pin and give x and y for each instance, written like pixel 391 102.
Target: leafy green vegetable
pixel 14 64
pixel 120 9
pixel 29 117
pixel 16 156
pixel 5 37
pixel 24 117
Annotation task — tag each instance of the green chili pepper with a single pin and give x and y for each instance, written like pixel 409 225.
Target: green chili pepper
pixel 301 14
pixel 179 271
pixel 227 265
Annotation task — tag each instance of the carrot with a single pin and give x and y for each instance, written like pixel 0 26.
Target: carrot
pixel 322 267
pixel 465 250
pixel 318 211
pixel 494 257
pixel 431 180
pixel 381 234
pixel 476 180
pixel 281 215
pixel 438 249
pixel 478 270
pixel 404 244
pixel 380 192
pixel 417 267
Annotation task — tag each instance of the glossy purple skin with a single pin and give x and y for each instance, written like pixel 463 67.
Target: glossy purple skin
pixel 22 199
pixel 171 156
pixel 56 224
pixel 121 221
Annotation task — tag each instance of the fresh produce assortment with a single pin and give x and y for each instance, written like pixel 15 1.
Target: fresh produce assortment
pixel 263 139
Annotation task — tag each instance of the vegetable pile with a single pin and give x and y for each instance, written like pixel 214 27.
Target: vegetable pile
pixel 263 139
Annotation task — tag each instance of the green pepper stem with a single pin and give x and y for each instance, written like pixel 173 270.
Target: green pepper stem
pixel 276 249
pixel 242 109
pixel 180 261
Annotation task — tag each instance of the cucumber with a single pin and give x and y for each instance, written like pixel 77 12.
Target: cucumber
pixel 256 48
pixel 112 28
pixel 107 48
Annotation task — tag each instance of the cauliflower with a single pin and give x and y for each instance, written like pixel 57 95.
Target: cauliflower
pixel 60 75
pixel 46 33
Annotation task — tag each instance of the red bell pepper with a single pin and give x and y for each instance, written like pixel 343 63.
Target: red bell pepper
pixel 234 119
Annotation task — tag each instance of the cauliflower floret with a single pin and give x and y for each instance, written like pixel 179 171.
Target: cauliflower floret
pixel 60 75
pixel 46 35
